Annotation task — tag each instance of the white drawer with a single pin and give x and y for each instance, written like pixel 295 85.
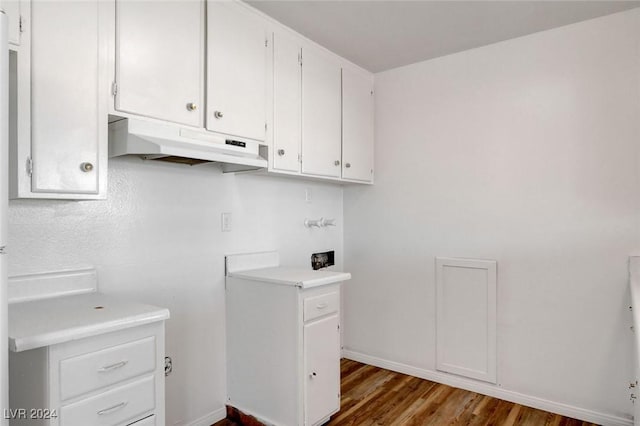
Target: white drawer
pixel 317 306
pixel 114 407
pixel 95 370
pixel 147 421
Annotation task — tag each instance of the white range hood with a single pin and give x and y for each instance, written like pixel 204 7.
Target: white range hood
pixel 174 143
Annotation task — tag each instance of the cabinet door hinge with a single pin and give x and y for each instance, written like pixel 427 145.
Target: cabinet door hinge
pixel 300 158
pixel 114 88
pixel 29 166
pixel 2 249
pixel 265 127
pixel 266 42
pixel 20 24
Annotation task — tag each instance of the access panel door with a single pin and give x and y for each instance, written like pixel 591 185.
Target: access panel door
pixel 321 369
pixel 466 317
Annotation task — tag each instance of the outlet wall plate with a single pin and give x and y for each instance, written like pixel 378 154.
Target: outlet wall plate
pixel 322 260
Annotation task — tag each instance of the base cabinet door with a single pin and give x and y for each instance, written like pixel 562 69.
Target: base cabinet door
pixel 322 369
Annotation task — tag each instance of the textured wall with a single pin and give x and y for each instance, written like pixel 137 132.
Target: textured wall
pixel 525 152
pixel 157 239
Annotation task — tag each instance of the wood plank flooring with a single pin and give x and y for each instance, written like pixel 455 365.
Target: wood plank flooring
pixel 373 396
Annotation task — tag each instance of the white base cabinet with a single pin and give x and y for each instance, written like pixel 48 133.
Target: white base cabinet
pixel 107 380
pixel 283 351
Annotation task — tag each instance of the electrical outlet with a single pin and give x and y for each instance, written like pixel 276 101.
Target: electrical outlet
pixel 226 222
pixel 307 195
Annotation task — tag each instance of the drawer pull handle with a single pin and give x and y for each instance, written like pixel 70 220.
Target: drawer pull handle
pixel 321 305
pixel 112 367
pixel 112 409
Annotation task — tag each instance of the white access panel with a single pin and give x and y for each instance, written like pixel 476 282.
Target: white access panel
pixel 321 114
pixel 237 47
pixel 160 60
pixel 287 109
pixel 466 317
pixel 357 125
pixel 68 139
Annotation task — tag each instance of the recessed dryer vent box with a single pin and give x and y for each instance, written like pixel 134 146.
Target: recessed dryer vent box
pixel 322 260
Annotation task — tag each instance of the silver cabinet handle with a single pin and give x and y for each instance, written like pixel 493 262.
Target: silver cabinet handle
pixel 112 367
pixel 337 162
pixel 218 114
pixel 112 409
pixel 281 152
pixel 348 165
pixel 191 106
pixel 86 167
pixel 321 305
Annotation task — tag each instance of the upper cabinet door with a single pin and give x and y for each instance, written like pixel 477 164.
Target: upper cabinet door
pixel 68 119
pixel 321 114
pixel 287 103
pixel 237 43
pixel 357 125
pixel 160 59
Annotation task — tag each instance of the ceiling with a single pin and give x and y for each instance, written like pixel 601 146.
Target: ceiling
pixel 380 35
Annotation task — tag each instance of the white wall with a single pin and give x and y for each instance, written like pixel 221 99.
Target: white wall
pixel 157 239
pixel 525 152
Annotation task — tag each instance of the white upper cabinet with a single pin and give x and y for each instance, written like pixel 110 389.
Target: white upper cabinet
pixel 59 102
pixel 237 48
pixel 287 103
pixel 357 125
pixel 321 114
pixel 160 60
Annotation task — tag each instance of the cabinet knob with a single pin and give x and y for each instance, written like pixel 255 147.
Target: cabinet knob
pixel 86 167
pixel 337 162
pixel 348 165
pixel 218 114
pixel 281 152
pixel 312 375
pixel 191 106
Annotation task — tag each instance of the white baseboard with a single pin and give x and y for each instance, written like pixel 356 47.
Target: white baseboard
pixel 211 418
pixel 492 390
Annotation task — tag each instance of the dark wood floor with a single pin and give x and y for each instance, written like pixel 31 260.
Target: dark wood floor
pixel 373 396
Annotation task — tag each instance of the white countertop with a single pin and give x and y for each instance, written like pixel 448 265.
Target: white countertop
pixel 305 278
pixel 61 319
